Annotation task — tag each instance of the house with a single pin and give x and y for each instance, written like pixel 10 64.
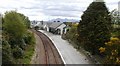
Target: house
pixel 57 28
pixel 66 29
pixel 34 23
pixel 44 25
pixel 47 25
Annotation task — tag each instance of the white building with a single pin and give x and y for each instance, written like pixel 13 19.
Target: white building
pixel 33 23
pixel 57 27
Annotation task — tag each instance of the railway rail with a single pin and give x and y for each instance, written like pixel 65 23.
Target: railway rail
pixel 51 54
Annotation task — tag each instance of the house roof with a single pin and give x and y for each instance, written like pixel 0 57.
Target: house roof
pixel 55 24
pixel 49 23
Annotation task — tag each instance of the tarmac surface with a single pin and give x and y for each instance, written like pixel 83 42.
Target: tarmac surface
pixel 68 53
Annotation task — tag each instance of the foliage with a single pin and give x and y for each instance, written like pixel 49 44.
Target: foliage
pixel 13 25
pixel 25 20
pixel 28 54
pixel 17 52
pixel 68 23
pixel 72 33
pixel 16 38
pixel 112 51
pixel 6 53
pixel 29 39
pixel 36 27
pixel 115 17
pixel 116 32
pixel 95 27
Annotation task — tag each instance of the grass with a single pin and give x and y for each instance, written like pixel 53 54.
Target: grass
pixel 28 54
pixel 29 51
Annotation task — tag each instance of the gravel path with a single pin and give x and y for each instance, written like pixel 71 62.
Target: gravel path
pixel 39 55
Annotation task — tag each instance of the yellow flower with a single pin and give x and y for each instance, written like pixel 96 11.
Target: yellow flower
pixel 114 39
pixel 102 49
pixel 109 43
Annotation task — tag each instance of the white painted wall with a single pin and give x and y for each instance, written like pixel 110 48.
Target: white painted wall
pixel 61 28
pixel 46 26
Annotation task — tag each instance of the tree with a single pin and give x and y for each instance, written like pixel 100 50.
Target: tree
pixel 94 27
pixel 14 27
pixel 68 23
pixel 13 32
pixel 16 38
pixel 25 20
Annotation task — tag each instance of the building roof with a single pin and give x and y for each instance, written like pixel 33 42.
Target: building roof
pixel 49 23
pixel 55 24
pixel 44 23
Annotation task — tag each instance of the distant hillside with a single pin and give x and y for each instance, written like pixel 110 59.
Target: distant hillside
pixel 63 20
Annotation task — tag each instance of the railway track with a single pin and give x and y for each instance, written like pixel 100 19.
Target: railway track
pixel 51 54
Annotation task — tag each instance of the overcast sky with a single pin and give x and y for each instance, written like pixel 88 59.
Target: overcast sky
pixel 49 9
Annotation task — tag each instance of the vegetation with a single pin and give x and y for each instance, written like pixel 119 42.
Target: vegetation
pixel 17 40
pixel 36 27
pixel 112 51
pixel 94 29
pixel 72 33
pixel 96 34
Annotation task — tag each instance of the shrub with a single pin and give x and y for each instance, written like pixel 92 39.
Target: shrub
pixel 29 38
pixel 6 53
pixel 18 52
pixel 112 51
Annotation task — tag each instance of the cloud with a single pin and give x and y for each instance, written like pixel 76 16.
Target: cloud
pixel 46 9
pixel 112 3
pixel 61 13
pixel 64 8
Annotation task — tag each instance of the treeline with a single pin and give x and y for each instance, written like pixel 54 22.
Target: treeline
pixel 17 41
pixel 94 33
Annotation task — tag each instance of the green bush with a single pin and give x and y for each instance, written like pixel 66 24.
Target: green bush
pixel 16 38
pixel 116 32
pixel 6 53
pixel 29 38
pixel 36 27
pixel 18 52
pixel 72 35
